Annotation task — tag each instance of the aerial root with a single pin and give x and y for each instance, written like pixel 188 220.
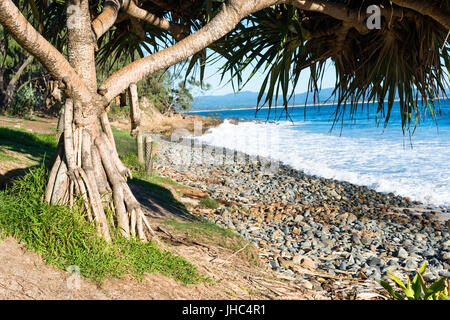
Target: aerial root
pixel 93 172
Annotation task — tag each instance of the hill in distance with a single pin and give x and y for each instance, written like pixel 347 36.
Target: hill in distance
pixel 248 99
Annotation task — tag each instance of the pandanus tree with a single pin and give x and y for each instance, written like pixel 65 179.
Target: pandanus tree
pixel 407 54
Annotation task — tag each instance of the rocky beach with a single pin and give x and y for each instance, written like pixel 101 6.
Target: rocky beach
pixel 335 237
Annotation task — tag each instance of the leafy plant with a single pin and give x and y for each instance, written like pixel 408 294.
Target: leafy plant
pixel 24 102
pixel 417 289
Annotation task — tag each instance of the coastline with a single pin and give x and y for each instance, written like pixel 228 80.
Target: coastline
pixel 317 230
pixel 281 107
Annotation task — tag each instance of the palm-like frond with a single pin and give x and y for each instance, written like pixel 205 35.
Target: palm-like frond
pixel 406 58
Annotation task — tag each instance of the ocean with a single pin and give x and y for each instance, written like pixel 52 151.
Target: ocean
pixel 356 150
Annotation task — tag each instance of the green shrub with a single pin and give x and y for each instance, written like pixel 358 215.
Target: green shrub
pixel 24 103
pixel 417 289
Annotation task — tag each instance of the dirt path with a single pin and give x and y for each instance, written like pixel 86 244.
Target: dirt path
pixel 24 275
pixel 38 124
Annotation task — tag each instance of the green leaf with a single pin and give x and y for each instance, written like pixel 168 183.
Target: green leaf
pixel 437 286
pixel 398 281
pixel 410 294
pixel 444 297
pixel 389 289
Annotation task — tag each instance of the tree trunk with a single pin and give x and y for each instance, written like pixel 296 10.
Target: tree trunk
pixel 87 163
pixel 134 109
pixel 12 85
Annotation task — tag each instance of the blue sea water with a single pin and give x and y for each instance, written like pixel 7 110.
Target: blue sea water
pixel 356 150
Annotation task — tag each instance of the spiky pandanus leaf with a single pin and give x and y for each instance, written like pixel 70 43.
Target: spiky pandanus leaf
pixel 406 58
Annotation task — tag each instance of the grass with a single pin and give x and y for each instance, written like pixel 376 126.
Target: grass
pixel 117 112
pixel 63 237
pixel 209 203
pixel 125 143
pixel 38 145
pixel 154 185
pixel 6 157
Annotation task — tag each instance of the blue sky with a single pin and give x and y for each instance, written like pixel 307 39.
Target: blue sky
pixel 217 88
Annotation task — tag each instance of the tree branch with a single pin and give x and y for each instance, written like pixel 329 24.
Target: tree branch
pixel 56 64
pixel 427 8
pixel 110 13
pixel 133 10
pixel 352 18
pixel 15 79
pixel 338 11
pixel 225 21
pixel 107 17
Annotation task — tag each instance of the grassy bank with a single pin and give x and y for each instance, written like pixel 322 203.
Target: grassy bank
pixel 62 236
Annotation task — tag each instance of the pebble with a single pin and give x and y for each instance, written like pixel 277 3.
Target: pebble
pixel 402 253
pixel 375 261
pixel 305 220
pixel 411 264
pixel 356 238
pixel 446 257
pixel 274 264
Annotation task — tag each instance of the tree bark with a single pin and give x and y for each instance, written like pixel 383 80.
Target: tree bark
pixel 87 164
pixel 140 146
pixel 427 8
pixel 134 109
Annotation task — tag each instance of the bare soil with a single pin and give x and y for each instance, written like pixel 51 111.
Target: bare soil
pixel 38 124
pixel 24 275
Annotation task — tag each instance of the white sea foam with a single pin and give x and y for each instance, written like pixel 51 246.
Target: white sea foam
pixel 379 161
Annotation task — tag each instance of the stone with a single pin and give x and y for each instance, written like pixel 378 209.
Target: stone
pixel 276 234
pixel 446 257
pixel 393 263
pixel 366 240
pixel 305 283
pixel 375 261
pixel 402 253
pixel 274 264
pixel 306 245
pixel 342 266
pixel 285 263
pixel 304 261
pixel 429 276
pixel 296 231
pixel 356 238
pixel 444 273
pixel 446 244
pixel 411 264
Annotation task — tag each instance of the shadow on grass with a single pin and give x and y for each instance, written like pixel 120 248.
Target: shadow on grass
pixel 36 147
pixel 149 192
